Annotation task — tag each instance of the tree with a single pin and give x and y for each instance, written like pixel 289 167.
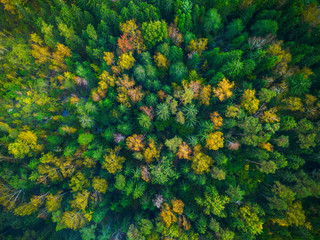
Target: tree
pixel 212 202
pixel 167 215
pixel 216 119
pixel 282 57
pixel 31 207
pixel 100 184
pixel 235 193
pixel 299 84
pixel 146 226
pixel 109 58
pixel 152 151
pixel 215 141
pixel 154 32
pixel 307 141
pixel 234 28
pixel 173 143
pixel 112 161
pixel 197 45
pixel 205 95
pixel 74 220
pixel 293 104
pixel 268 167
pixel 161 60
pixel 163 112
pixel 212 21
pixel 294 215
pixel 125 43
pixel 217 173
pixel 53 202
pixel 265 95
pixel 85 138
pixel 270 116
pixel 223 91
pixel 265 27
pixel 249 102
pixel 251 223
pixel 177 206
pixel 88 233
pixel 144 121
pixel 232 112
pixel 184 151
pixel 178 71
pixel 80 201
pixel 201 162
pixel 126 61
pixel 79 182
pixel 24 145
pixel 310 14
pixel 163 172
pixel 135 142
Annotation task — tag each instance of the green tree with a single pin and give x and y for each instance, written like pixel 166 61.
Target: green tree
pixel 178 71
pixel 234 28
pixel 154 32
pixel 212 21
pixel 264 27
pixel 212 202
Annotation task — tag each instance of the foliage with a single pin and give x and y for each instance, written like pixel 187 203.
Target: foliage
pixel 172 119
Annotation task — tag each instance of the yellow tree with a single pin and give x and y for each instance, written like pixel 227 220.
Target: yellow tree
pixel 9 196
pixel 59 56
pixel 205 95
pixel 184 151
pixel 251 220
pixel 73 219
pixel 24 145
pixel 39 52
pixel 79 182
pixel 293 104
pixel 216 119
pixel 126 61
pixel 167 215
pixel 112 161
pixel 161 60
pixel 177 206
pixel 223 91
pixel 100 185
pixel 152 151
pixel 270 116
pixel 109 58
pixel 233 112
pixel 294 215
pixel 11 5
pixel 80 200
pixel 267 146
pixel 135 142
pixel 215 141
pixel 53 203
pixel 123 96
pixel 198 45
pixel 310 14
pixel 31 207
pixel 200 161
pixel 249 101
pixel 283 57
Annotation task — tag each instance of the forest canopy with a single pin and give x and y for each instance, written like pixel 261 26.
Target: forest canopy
pixel 169 120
